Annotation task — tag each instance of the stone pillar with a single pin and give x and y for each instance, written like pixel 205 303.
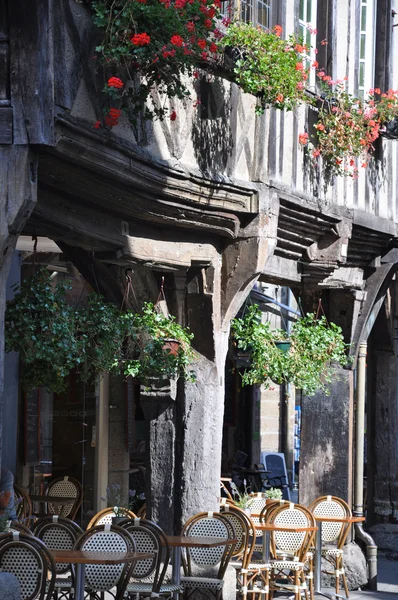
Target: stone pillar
pixel 18 186
pixel 385 428
pixel 326 441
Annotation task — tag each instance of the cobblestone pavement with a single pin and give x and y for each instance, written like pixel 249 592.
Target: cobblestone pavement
pixel 387 588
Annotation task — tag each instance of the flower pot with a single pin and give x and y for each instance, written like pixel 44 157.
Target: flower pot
pixel 172 346
pixel 118 520
pixel 283 346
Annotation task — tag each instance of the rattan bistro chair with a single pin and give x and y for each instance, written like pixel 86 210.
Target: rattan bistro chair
pixel 289 549
pixel 59 534
pixel 23 505
pixel 148 575
pixel 67 487
pixel 105 516
pixel 252 575
pixel 197 562
pixel 103 578
pixel 334 535
pixel 29 560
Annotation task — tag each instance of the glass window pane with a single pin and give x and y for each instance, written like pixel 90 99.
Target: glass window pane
pixel 302 10
pixel 363 18
pixel 308 39
pixel 309 11
pixel 362 48
pixel 361 74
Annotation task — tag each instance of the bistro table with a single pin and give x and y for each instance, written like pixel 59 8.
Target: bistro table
pixel 80 558
pixel 56 500
pixel 318 550
pixel 185 541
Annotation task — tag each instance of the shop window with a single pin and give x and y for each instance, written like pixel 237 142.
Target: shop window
pixel 307 32
pixel 366 47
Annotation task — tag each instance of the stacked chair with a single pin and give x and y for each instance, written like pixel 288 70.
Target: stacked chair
pixel 252 575
pixel 148 575
pixel 334 534
pixel 197 562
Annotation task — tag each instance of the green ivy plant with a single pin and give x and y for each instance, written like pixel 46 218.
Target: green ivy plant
pixel 54 338
pixel 316 346
pixel 156 344
pixel 40 325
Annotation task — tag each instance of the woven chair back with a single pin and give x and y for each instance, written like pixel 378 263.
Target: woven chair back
pixel 257 504
pixel 16 527
pixel 331 506
pixel 58 534
pixel 207 525
pixel 29 560
pixel 106 538
pixel 67 487
pixel 149 537
pixel 106 516
pixel 141 512
pixel 244 532
pixel 293 543
pixel 23 505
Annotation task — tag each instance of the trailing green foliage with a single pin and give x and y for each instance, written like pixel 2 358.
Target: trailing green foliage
pixel 267 65
pixel 53 338
pixel 316 346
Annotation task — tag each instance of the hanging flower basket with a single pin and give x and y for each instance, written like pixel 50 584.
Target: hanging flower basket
pixel 315 346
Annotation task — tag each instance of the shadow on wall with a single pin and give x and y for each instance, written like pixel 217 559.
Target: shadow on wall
pixel 211 131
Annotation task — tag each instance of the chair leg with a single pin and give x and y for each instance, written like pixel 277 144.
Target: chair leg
pixel 344 580
pixel 297 584
pixel 337 572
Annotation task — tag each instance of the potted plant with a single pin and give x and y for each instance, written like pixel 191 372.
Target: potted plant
pixel 316 346
pixel 153 47
pixel 40 325
pixel 273 494
pixel 266 65
pixel 113 500
pixel 157 346
pixel 54 338
pixel 242 499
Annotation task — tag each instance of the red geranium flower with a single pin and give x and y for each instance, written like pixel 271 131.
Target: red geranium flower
pixel 213 47
pixel 202 44
pixel 278 30
pixel 115 82
pixel 173 116
pixel 140 39
pixel 191 26
pixel 176 40
pixel 97 125
pixel 208 23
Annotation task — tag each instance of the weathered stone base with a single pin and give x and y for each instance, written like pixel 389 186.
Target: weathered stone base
pixel 386 537
pixel 9 587
pixel 355 569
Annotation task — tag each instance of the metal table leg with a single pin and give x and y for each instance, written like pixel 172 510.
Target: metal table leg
pixel 79 583
pixel 176 569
